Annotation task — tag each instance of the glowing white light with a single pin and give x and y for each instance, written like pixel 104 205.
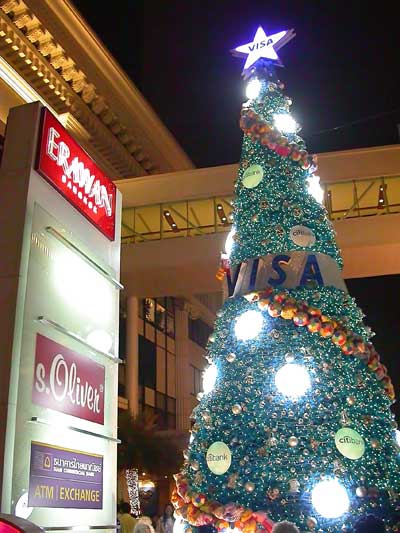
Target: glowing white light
pixel 330 498
pixel 253 88
pixel 315 189
pixel 191 438
pixel 285 123
pixel 229 242
pixel 209 378
pixel 179 525
pixel 21 508
pixel 100 339
pixel 292 380
pixel 81 287
pixel 398 437
pixel 248 325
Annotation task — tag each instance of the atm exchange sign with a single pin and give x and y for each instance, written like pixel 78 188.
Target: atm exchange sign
pixel 66 166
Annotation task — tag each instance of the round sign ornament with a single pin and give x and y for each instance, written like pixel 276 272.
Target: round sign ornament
pixel 302 236
pixel 218 458
pixel 252 176
pixel 350 443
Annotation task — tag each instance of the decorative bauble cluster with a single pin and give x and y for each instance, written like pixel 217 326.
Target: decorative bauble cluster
pixel 281 304
pixel 259 130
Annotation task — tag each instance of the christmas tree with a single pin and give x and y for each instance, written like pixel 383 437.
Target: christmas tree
pixel 294 422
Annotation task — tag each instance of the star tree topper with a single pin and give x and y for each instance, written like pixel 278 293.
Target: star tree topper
pixel 263 46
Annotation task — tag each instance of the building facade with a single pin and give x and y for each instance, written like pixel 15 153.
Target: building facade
pixel 176 218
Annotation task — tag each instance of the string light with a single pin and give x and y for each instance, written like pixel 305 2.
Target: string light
pixel 248 325
pixel 292 380
pixel 315 189
pixel 330 498
pixel 209 378
pixel 253 88
pixel 285 123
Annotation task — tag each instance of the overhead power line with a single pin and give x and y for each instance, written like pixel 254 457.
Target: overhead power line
pixel 354 122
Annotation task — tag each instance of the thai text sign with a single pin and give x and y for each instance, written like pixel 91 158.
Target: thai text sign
pixel 63 163
pixel 65 478
pixel 67 381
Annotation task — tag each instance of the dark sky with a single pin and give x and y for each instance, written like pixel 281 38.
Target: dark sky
pixel 342 67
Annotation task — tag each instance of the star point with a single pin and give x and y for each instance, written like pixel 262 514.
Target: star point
pixel 263 46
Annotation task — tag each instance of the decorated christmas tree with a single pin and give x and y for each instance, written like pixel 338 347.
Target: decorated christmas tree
pixel 294 422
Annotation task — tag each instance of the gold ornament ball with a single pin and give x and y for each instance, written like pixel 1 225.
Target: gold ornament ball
pixel 236 409
pixel 311 522
pixel 293 441
pixel 249 486
pixel 361 492
pixel 351 400
pixel 375 444
pixel 254 218
pixel 231 357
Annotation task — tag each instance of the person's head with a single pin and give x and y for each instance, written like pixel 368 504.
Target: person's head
pixel 142 527
pixel 168 511
pixel 124 508
pixel 369 524
pixel 285 527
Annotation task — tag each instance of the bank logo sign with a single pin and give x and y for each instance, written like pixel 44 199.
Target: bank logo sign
pixel 64 164
pixel 64 478
pixel 219 458
pixel 350 443
pixel 68 382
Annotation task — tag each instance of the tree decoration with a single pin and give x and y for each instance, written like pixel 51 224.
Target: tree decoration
pixel 300 414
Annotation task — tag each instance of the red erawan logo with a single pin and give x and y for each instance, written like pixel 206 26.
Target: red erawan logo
pixel 63 163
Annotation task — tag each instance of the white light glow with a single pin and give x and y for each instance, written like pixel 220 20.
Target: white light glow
pixel 100 339
pixel 330 498
pixel 285 123
pixel 292 380
pixel 229 242
pixel 253 88
pixel 209 378
pixel 21 508
pixel 248 325
pixel 179 525
pixel 398 437
pixel 315 189
pixel 81 287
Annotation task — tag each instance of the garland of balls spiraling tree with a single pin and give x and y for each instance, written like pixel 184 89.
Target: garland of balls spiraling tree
pixel 294 422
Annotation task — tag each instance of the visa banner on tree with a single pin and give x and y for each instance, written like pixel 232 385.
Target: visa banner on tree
pixel 287 270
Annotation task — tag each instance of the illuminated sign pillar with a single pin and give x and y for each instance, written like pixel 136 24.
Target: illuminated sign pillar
pixel 60 219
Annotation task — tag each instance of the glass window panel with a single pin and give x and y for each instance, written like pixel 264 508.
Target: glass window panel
pixel 147 222
pixel 171 384
pixel 161 355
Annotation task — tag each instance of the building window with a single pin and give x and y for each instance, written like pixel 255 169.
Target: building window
pixel 196 381
pixel 199 332
pixel 147 363
pixel 157 383
pixel 160 313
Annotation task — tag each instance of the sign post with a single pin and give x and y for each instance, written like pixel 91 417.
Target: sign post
pixel 60 217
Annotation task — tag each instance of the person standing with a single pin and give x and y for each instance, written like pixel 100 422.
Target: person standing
pixel 166 522
pixel 126 520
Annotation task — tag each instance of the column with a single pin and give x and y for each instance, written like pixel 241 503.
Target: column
pixel 182 365
pixel 132 355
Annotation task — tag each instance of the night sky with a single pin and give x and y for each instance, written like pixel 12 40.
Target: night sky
pixel 342 72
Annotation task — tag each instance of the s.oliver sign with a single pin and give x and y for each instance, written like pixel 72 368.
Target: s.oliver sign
pixel 67 382
pixel 64 164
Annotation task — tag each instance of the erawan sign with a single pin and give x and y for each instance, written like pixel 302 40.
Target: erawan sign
pixel 63 163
